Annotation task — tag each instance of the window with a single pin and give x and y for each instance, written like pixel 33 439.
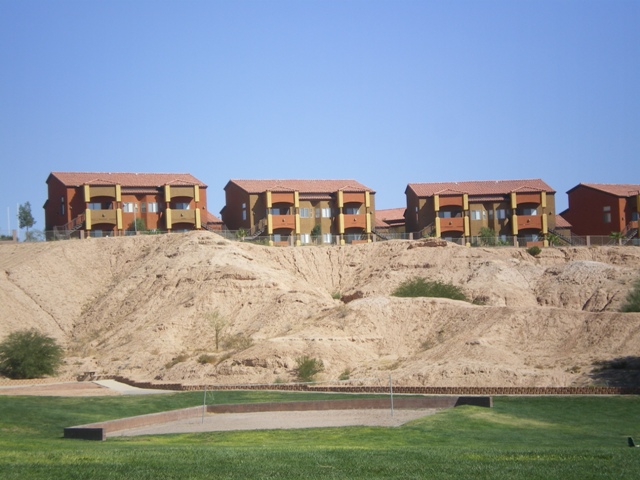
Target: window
pixel 278 211
pixel 181 206
pixel 317 213
pixel 153 207
pixel 326 213
pixel 352 210
pixel 606 216
pixel 94 206
pixel 62 209
pixel 277 237
pixel 129 207
pixel 326 238
pixel 501 214
pixel 475 215
pixel 305 213
pixel 490 214
pixel 444 214
pixel 529 211
pixel 305 238
pixel 143 207
pixel 244 214
pixel 635 216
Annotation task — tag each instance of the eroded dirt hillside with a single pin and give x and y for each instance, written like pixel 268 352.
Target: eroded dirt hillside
pixel 139 306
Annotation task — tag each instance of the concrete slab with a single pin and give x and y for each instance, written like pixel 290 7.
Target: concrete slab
pixel 125 389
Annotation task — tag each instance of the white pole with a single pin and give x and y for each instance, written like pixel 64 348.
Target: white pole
pixel 391 390
pixel 204 402
pixel 8 221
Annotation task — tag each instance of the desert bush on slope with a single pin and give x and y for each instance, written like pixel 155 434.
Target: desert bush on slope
pixel 419 287
pixel 29 354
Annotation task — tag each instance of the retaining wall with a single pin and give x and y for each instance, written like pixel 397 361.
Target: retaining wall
pixel 418 390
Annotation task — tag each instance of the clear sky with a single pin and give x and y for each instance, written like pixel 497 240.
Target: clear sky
pixel 387 92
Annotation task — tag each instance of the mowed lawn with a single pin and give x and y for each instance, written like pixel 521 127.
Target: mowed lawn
pixel 521 437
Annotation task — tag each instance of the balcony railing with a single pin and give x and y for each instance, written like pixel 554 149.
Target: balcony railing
pixel 355 221
pixel 103 217
pixel 452 224
pixel 529 221
pixel 283 221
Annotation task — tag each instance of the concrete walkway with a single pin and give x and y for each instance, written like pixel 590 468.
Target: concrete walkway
pixel 125 389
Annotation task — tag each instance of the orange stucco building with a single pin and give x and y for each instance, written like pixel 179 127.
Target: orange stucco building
pixel 100 204
pixel 459 210
pixel 293 211
pixel 603 209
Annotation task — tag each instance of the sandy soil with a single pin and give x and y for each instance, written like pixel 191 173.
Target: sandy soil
pixel 83 389
pixel 140 307
pixel 281 420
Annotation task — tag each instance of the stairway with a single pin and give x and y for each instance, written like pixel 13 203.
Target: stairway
pixel 379 235
pixel 64 232
pixel 565 239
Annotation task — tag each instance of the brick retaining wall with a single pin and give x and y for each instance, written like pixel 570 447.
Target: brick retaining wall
pixel 417 390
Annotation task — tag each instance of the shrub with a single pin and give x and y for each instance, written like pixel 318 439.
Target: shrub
pixel 29 354
pixel 534 251
pixel 307 368
pixel 206 358
pixel 238 342
pixel 345 375
pixel 419 287
pixel 633 299
pixel 183 357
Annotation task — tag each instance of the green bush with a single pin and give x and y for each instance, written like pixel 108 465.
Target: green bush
pixel 534 251
pixel 29 354
pixel 419 287
pixel 307 368
pixel 633 299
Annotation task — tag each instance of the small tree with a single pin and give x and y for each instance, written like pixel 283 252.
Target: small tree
pixel 307 368
pixel 219 324
pixel 138 225
pixel 487 236
pixel 618 236
pixel 25 218
pixel 316 231
pixel 29 354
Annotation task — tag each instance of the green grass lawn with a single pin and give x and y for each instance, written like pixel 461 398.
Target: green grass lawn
pixel 521 437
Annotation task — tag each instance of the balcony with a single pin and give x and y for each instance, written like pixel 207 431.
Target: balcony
pixel 283 221
pixel 455 224
pixel 102 217
pixel 355 221
pixel 529 222
pixel 183 216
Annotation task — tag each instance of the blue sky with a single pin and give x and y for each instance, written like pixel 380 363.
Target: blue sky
pixel 384 92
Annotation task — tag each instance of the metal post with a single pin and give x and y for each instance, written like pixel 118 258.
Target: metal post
pixel 204 402
pixel 391 391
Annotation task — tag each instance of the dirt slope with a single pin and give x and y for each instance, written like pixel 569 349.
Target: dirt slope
pixel 137 306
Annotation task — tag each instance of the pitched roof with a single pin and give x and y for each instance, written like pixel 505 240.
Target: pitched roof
pixel 72 179
pixel 562 222
pixel 306 186
pixel 211 218
pixel 390 215
pixel 486 188
pixel 619 189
